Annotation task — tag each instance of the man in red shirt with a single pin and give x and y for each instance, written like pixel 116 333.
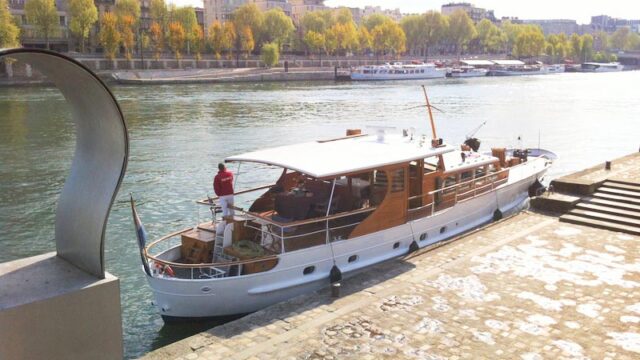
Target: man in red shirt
pixel 223 187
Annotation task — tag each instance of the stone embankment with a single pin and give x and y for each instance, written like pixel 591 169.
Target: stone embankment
pixel 527 287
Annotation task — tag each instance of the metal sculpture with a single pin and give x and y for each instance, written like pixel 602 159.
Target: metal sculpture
pixel 99 162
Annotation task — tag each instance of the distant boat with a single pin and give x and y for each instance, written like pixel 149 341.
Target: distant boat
pixel 398 71
pixel 517 68
pixel 467 71
pixel 601 67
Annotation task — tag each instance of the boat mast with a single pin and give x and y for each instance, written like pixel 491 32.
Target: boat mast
pixel 433 125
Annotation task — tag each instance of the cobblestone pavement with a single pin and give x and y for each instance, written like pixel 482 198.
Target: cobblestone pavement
pixel 626 168
pixel 527 288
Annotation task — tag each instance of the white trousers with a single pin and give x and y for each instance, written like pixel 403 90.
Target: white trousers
pixel 225 202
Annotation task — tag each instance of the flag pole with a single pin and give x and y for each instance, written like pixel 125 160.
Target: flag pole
pixel 433 125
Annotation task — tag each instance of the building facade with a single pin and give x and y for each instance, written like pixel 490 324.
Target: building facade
pixel 222 10
pixel 610 24
pixel 59 39
pixel 557 26
pixel 301 7
pixel 475 13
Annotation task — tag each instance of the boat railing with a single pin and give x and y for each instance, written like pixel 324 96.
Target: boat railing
pixel 462 191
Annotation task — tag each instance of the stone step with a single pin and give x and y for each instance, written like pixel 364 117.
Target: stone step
pixel 623 182
pixel 618 198
pixel 627 193
pixel 613 204
pixel 609 210
pixel 605 217
pixel 617 185
pixel 579 220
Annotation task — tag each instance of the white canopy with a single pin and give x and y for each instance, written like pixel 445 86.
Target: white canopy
pixel 508 62
pixel 477 62
pixel 323 159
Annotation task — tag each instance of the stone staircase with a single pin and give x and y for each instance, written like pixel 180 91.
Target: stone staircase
pixel 615 205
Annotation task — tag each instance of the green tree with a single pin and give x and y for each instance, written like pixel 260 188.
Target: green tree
pixel 43 15
pixel 109 35
pixel 414 29
pixel 530 42
pixel 343 16
pixel 511 31
pixel 277 26
pixel 365 41
pixel 9 32
pixel 620 39
pixel 186 16
pixel 316 21
pixel 176 38
pixel 633 43
pixel 575 46
pixel 159 13
pixel 586 50
pixel 373 20
pixel 197 40
pixel 600 41
pixel 128 8
pixel 248 15
pixel 157 39
pixel 461 30
pixel 83 15
pixel 314 41
pixel 345 37
pixel 270 54
pixel 436 27
pixel 230 35
pixel 492 39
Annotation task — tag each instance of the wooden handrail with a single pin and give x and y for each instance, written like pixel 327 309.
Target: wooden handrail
pixel 206 201
pixel 311 221
pixel 201 265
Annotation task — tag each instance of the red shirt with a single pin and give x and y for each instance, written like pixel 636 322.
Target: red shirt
pixel 223 183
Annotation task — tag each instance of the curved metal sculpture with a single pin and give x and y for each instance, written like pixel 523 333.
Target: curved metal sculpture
pixel 99 162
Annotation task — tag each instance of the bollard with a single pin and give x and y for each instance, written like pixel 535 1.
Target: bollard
pixel 335 290
pixel 607 165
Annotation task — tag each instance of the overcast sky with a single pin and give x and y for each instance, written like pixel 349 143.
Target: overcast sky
pixel 580 10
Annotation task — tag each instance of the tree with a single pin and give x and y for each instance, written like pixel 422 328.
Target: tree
pixel 43 15
pixel 277 26
pixel 461 30
pixel 620 39
pixel 216 38
pixel 586 51
pixel 9 32
pixel 270 54
pixel 373 20
pixel 176 38
pixel 343 16
pixel 388 37
pixel 414 28
pixel 247 43
pixel 83 15
pixel 575 46
pixel 344 37
pixel 109 35
pixel 314 41
pixel 230 35
pixel 248 15
pixel 529 42
pixel 316 21
pixel 492 39
pixel 128 8
pixel 512 31
pixel 365 41
pixel 186 16
pixel 435 30
pixel 600 41
pixel 197 40
pixel 159 13
pixel 634 42
pixel 157 39
pixel 127 35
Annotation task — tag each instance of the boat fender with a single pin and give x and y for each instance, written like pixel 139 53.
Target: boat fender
pixel 335 275
pixel 169 271
pixel 536 189
pixel 497 215
pixel 228 235
pixel 413 247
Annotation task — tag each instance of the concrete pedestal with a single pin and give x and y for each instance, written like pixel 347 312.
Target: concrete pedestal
pixel 50 309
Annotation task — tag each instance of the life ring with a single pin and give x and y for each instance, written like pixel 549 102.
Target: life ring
pixel 169 271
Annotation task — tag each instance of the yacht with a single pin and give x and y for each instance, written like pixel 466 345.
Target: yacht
pixel 601 67
pixel 398 71
pixel 334 207
pixel 467 71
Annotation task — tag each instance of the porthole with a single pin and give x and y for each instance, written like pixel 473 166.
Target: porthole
pixel 396 245
pixel 443 229
pixel 308 270
pixel 423 236
pixel 353 258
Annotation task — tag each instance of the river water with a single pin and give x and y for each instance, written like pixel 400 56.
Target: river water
pixel 179 133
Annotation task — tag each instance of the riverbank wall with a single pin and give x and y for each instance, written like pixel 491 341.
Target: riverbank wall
pixel 529 286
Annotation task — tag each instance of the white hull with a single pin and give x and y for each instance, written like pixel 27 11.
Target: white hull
pixel 468 74
pixel 435 74
pixel 178 298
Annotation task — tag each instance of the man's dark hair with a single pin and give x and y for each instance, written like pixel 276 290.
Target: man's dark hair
pixel 221 166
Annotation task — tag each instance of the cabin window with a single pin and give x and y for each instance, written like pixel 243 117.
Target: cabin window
pixel 430 165
pixel 448 184
pixel 480 172
pixel 379 188
pixel 397 182
pixel 466 176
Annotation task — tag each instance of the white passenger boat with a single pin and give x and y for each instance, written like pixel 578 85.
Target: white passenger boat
pixel 467 71
pixel 336 207
pixel 398 71
pixel 601 67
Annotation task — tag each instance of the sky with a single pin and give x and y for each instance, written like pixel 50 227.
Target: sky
pixel 580 10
